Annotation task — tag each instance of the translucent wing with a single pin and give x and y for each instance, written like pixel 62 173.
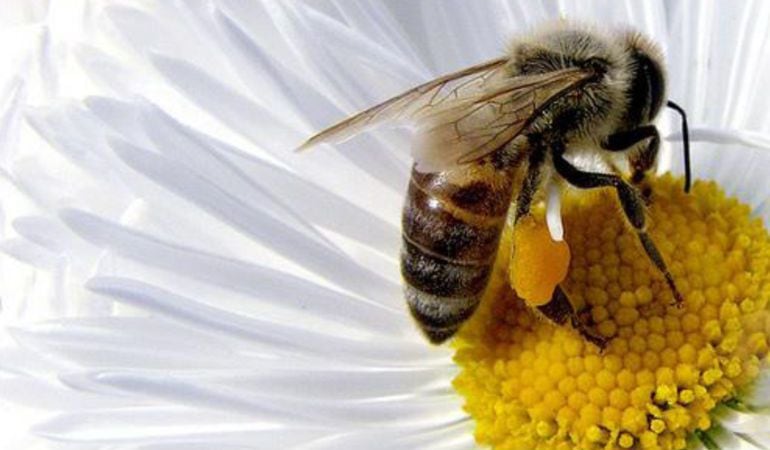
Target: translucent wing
pixel 413 103
pixel 469 128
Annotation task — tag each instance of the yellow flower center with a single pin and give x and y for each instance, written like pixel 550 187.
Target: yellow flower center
pixel 532 385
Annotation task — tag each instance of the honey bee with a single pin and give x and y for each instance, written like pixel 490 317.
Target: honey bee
pixel 496 134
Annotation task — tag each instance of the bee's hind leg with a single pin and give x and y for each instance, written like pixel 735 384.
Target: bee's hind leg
pixel 559 310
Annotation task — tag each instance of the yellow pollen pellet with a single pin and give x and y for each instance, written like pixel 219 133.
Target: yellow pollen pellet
pixel 531 384
pixel 538 263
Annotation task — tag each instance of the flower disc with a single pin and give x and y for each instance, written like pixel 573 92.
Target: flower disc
pixel 532 385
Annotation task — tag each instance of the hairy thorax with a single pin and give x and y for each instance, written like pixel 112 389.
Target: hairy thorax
pixel 592 112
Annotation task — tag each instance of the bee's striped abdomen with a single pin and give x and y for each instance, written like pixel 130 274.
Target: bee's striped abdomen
pixel 452 223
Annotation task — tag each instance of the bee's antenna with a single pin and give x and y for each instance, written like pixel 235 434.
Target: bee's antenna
pixel 686 140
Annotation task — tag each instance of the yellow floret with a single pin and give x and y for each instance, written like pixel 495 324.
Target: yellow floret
pixel 626 440
pixel 532 385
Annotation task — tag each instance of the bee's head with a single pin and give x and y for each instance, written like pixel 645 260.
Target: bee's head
pixel 647 87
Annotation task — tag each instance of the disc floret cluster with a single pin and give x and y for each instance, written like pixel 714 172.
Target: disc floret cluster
pixel 531 385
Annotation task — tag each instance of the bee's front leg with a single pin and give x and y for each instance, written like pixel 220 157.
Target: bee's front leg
pixel 632 204
pixel 641 161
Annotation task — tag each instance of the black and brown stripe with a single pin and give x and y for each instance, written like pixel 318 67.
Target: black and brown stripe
pixel 452 222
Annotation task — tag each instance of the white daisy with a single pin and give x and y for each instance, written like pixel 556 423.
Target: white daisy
pixel 174 277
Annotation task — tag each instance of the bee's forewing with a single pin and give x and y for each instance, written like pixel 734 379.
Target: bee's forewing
pixel 413 103
pixel 467 129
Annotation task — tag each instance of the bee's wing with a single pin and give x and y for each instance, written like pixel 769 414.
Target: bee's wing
pixel 413 103
pixel 469 128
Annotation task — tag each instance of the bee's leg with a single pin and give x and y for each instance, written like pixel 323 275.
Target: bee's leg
pixel 531 180
pixel 641 161
pixel 633 207
pixel 559 309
